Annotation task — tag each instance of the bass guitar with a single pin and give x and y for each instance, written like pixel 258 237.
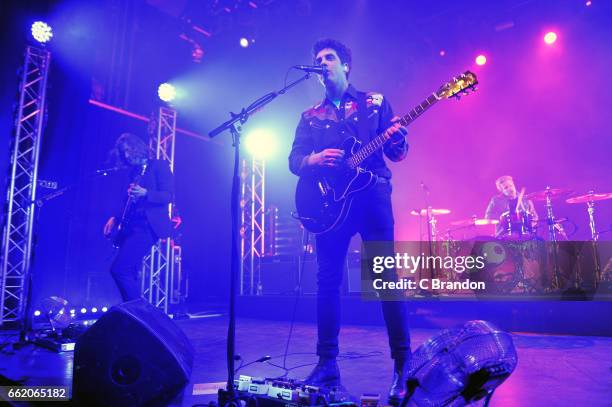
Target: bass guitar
pixel 323 199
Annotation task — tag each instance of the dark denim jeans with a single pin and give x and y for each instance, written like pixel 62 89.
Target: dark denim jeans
pixel 128 263
pixel 371 216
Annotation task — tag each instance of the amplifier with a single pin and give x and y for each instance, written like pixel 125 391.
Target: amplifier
pixel 280 275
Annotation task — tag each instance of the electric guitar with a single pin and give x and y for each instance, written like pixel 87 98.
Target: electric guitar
pixel 117 235
pixel 323 199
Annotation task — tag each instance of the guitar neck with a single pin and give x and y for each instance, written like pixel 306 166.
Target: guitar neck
pixel 378 141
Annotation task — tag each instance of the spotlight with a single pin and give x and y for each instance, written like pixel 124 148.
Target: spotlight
pixel 588 3
pixel 550 37
pixel 41 32
pixel 72 311
pixel 166 92
pixel 481 60
pixel 83 310
pixel 94 310
pixel 261 143
pixel 104 309
pixel 37 313
pixel 442 53
pixel 244 42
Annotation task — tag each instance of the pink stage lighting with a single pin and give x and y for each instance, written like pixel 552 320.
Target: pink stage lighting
pixel 550 38
pixel 481 60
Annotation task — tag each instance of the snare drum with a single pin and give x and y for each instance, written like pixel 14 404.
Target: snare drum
pixel 516 225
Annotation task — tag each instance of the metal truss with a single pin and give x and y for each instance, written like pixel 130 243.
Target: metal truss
pixel 21 189
pixel 163 280
pixel 252 229
pixel 162 274
pixel 166 135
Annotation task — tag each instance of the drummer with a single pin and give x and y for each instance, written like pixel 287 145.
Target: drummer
pixel 509 206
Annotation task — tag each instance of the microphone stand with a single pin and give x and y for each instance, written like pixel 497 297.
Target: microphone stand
pixel 234 125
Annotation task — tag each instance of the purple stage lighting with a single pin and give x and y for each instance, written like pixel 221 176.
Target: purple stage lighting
pixel 41 32
pixel 261 143
pixel 550 38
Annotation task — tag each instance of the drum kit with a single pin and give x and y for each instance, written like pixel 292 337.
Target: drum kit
pixel 518 261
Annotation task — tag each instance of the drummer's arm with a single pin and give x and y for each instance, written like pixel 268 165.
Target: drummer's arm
pixel 532 211
pixel 490 211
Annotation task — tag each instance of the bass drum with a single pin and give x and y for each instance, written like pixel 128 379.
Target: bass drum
pixel 511 267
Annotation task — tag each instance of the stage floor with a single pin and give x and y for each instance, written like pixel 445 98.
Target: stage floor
pixel 552 370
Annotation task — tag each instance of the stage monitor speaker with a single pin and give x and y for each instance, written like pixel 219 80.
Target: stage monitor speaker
pixel 134 355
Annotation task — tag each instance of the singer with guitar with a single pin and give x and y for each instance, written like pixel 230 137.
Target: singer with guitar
pixel 144 217
pixel 317 149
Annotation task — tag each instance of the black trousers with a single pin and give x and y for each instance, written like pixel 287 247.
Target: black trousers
pixel 371 215
pixel 127 264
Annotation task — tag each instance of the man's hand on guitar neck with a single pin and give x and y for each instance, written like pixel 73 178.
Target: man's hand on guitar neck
pixel 396 132
pixel 136 191
pixel 330 157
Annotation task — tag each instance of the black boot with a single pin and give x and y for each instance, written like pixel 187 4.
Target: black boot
pixel 325 374
pixel 398 385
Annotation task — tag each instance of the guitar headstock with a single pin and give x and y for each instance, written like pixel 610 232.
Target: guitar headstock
pixel 458 86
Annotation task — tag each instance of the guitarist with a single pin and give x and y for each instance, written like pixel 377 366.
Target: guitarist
pixel 346 112
pixel 145 216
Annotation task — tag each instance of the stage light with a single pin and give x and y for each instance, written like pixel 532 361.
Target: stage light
pixel 244 42
pixel 41 32
pixel 104 309
pixel 37 313
pixel 83 310
pixel 94 310
pixel 550 37
pixel 481 60
pixel 72 311
pixel 166 92
pixel 588 3
pixel 261 143
pixel 442 53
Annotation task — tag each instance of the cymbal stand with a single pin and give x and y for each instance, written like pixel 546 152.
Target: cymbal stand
pixel 552 233
pixel 594 239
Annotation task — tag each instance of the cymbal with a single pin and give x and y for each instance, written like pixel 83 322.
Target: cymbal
pixel 475 222
pixel 423 212
pixel 552 192
pixel 589 197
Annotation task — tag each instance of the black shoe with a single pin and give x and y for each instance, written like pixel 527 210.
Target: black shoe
pixel 325 374
pixel 398 385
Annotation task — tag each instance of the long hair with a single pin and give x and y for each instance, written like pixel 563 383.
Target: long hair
pixel 128 140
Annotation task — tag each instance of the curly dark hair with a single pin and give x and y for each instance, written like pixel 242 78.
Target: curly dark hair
pixel 344 52
pixel 135 143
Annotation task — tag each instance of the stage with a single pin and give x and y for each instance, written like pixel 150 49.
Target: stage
pixel 559 370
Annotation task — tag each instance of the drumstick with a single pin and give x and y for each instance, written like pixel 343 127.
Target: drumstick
pixel 519 203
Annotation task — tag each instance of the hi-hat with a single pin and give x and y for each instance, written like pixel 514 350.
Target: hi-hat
pixel 475 222
pixel 552 192
pixel 589 198
pixel 423 212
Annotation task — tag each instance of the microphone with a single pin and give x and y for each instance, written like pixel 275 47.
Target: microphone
pixel 322 69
